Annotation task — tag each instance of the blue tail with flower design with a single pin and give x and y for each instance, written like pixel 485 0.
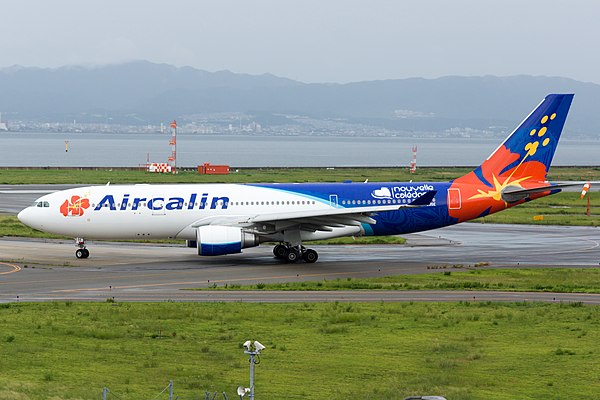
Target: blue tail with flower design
pixel 517 170
pixel 534 141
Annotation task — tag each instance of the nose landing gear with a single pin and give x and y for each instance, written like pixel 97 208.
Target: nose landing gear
pixel 82 251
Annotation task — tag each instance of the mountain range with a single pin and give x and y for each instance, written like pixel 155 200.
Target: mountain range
pixel 143 92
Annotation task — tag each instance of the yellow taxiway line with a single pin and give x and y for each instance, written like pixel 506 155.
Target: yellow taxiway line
pixel 15 268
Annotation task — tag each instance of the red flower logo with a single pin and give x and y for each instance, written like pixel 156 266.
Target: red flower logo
pixel 74 207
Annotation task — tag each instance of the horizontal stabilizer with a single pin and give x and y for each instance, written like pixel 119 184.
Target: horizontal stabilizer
pixel 515 193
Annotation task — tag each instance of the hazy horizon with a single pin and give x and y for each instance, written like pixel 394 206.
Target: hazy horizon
pixel 310 41
pixel 102 65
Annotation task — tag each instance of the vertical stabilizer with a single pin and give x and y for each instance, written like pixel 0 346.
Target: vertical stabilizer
pixel 522 161
pixel 529 149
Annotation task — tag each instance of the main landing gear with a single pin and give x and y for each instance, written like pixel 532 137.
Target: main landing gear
pixel 82 251
pixel 289 253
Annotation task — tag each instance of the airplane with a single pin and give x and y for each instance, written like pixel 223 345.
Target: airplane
pixel 220 219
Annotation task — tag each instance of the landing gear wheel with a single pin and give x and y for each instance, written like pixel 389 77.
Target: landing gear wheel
pixel 292 256
pixel 280 252
pixel 81 251
pixel 310 256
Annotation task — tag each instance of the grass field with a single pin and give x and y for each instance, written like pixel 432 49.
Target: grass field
pixel 455 277
pixel 334 351
pixel 245 175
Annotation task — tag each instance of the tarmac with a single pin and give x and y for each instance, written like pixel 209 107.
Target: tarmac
pixel 41 270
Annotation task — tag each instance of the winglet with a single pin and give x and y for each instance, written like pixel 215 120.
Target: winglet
pixel 424 200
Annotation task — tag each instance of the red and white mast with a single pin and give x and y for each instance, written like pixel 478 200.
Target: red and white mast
pixel 413 161
pixel 173 143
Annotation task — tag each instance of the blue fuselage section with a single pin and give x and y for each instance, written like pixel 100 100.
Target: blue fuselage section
pixel 356 195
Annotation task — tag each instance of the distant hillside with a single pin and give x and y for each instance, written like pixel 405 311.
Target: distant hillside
pixel 149 93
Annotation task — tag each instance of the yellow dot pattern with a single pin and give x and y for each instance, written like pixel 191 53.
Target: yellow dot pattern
pixel 542 131
pixel 532 147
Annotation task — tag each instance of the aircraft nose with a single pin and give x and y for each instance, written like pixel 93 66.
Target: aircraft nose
pixel 25 216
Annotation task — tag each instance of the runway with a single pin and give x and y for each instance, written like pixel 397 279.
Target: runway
pixel 40 270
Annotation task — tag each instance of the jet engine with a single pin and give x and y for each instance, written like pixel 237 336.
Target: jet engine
pixel 218 240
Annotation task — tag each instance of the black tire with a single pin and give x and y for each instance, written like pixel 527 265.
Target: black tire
pixel 292 256
pixel 280 252
pixel 86 253
pixel 80 253
pixel 310 256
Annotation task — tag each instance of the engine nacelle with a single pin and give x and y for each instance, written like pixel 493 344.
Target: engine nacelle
pixel 219 240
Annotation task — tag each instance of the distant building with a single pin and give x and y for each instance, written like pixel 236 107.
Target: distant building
pixel 3 126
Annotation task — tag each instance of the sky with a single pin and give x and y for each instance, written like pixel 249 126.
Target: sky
pixel 311 40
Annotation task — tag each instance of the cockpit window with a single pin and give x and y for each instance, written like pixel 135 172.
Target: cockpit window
pixel 46 204
pixel 41 204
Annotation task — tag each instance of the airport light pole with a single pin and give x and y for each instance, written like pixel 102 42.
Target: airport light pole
pixel 253 349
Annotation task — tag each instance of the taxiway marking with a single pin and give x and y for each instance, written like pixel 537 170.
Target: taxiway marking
pixel 15 268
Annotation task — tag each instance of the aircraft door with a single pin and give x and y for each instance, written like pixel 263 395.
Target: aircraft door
pixel 333 200
pixel 454 199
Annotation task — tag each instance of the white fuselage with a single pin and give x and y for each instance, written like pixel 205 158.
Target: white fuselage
pixel 164 211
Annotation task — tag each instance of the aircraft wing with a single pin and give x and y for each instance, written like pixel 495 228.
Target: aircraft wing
pixel 312 220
